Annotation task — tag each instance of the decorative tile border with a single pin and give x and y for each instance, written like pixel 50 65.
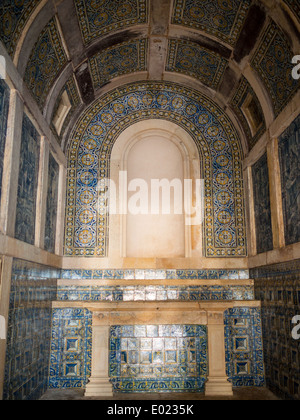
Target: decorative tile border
pixel 153 293
pixel 141 274
pixel 215 137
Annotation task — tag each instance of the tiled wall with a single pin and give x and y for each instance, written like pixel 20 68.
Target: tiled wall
pixel 278 287
pixel 289 152
pixel 51 209
pixel 263 221
pixel 33 289
pixel 28 182
pixel 4 104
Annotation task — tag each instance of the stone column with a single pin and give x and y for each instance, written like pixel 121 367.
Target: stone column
pixel 99 385
pixel 217 384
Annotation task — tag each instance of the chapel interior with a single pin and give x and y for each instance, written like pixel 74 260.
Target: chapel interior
pixel 103 292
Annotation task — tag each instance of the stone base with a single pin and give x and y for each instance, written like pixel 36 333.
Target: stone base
pixel 99 387
pixel 216 387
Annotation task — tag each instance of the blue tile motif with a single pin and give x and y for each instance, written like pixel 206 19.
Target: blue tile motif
pixel 188 58
pixel 113 15
pixel 28 183
pixel 33 288
pixel 71 348
pixel 289 154
pixel 46 61
pixel 165 358
pixel 273 63
pixel 13 17
pixel 51 208
pixel 128 57
pixel 4 105
pixel 244 347
pixel 224 20
pixel 262 204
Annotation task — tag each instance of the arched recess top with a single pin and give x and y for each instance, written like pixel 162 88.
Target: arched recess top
pixel 112 113
pixel 214 135
pixel 169 133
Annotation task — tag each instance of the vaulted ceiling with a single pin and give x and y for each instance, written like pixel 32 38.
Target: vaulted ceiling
pixel 237 52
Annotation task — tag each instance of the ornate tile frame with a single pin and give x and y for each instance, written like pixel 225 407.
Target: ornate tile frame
pixel 215 137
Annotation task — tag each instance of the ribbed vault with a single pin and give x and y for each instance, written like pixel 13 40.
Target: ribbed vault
pixel 72 52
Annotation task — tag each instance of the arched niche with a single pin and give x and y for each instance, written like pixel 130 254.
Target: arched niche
pixel 88 231
pixel 156 150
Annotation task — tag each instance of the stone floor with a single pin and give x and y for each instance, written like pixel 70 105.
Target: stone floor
pixel 243 394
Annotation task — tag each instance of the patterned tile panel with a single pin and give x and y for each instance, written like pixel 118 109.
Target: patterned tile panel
pixel 218 144
pixel 278 288
pixel 52 202
pixel 190 59
pixel 98 18
pixel 121 59
pixel 47 59
pixel 289 156
pixel 14 15
pixel 71 348
pixel 244 347
pixel 222 19
pixel 28 183
pixel 33 288
pixel 4 105
pixel 249 111
pixel 164 358
pixel 273 63
pixel 262 205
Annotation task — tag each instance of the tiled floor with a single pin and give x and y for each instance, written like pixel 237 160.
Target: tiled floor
pixel 243 394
